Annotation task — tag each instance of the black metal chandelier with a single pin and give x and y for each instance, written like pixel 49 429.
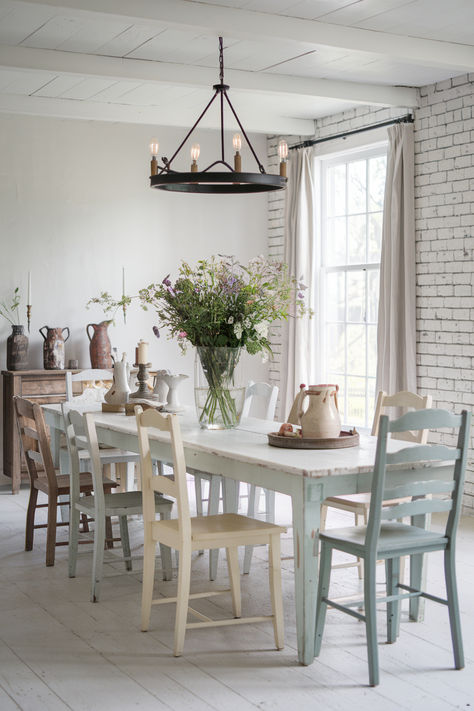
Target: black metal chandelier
pixel 232 180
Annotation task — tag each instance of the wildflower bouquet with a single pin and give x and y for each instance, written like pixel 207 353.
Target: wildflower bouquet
pixel 221 307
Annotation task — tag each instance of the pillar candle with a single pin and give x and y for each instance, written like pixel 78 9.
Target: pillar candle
pixel 142 352
pixel 28 301
pixel 123 281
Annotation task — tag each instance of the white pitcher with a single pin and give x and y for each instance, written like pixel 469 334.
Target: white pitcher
pixel 321 419
pixel 120 389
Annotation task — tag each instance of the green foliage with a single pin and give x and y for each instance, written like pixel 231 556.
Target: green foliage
pixel 109 305
pixel 224 303
pixel 11 313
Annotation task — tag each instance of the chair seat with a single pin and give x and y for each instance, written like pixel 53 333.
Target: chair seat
pixel 394 536
pixel 126 503
pixel 220 530
pixel 63 483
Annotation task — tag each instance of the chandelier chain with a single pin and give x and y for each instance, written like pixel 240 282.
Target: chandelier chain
pixel 221 60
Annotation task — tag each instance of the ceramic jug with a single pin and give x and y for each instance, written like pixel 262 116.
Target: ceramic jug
pixel 321 419
pixel 53 347
pixel 160 390
pixel 99 347
pixel 120 390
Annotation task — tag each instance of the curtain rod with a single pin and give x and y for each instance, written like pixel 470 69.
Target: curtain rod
pixel 312 142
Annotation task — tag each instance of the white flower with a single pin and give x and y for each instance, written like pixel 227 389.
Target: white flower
pixel 238 330
pixel 230 319
pixel 247 323
pixel 262 329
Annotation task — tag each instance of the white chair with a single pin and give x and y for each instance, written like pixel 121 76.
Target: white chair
pixel 359 504
pixel 261 399
pixel 97 381
pixel 187 534
pixel 81 434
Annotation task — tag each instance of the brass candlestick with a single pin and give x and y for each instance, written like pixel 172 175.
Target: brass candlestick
pixel 142 377
pixel 28 315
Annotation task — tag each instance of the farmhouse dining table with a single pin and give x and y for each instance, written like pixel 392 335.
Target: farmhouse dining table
pixel 243 454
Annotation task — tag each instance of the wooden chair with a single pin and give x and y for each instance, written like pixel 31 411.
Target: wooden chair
pixel 97 382
pixel 261 397
pixel 187 534
pixel 359 504
pixel 81 433
pixel 385 538
pixel 36 449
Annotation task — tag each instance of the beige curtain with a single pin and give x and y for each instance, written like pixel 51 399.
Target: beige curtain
pixel 299 247
pixel 396 331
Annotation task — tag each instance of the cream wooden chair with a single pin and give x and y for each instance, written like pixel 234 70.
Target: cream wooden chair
pixel 187 534
pixel 359 504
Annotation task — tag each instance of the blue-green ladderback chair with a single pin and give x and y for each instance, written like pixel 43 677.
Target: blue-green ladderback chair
pixel 433 476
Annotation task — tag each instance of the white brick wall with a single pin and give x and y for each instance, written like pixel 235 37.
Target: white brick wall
pixel 444 213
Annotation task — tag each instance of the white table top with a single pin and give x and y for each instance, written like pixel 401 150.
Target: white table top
pixel 248 444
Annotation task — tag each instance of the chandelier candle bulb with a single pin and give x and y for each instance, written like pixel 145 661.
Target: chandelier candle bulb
pixel 142 352
pixel 237 144
pixel 195 152
pixel 283 155
pixel 154 148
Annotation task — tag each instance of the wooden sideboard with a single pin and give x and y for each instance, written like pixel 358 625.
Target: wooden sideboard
pixel 41 386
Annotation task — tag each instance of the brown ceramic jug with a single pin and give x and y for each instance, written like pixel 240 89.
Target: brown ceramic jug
pixel 17 349
pixel 100 348
pixel 53 347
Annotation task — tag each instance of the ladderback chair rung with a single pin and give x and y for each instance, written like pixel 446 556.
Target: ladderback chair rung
pixel 433 488
pixel 187 534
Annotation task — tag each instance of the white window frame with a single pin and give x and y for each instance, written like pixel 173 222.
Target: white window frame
pixel 321 270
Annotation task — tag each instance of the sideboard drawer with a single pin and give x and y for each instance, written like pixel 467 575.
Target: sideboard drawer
pixel 40 386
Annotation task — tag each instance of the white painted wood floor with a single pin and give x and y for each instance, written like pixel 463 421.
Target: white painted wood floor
pixel 59 651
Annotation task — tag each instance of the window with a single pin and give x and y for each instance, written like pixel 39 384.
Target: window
pixel 352 193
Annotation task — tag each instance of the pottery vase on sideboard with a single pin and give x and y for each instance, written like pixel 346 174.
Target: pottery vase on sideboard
pixel 17 349
pixel 100 348
pixel 53 347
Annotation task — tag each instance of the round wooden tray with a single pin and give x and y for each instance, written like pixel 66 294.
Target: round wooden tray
pixel 345 439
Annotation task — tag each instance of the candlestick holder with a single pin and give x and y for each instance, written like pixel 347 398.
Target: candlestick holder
pixel 28 315
pixel 142 377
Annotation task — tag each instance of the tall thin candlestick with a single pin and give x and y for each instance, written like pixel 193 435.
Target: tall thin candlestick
pixel 124 307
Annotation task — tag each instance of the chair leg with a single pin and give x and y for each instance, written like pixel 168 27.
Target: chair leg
pixel 274 571
pixel 74 518
pixel 30 519
pixel 148 580
pixel 269 505
pixel 165 553
pixel 130 469
pixel 109 534
pixel 98 557
pixel 234 577
pixel 251 504
pixel 323 517
pixel 416 574
pixel 213 508
pixel 325 563
pixel 453 607
pixel 182 602
pixel 392 577
pixel 51 530
pixel 371 621
pixel 123 523
pixel 198 495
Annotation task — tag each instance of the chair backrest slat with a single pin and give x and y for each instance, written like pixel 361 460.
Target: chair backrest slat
pixel 148 420
pixel 93 375
pixel 419 481
pixel 422 453
pixel 36 456
pixel 415 508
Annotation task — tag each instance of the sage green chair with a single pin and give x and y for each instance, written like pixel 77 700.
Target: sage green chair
pixel 434 486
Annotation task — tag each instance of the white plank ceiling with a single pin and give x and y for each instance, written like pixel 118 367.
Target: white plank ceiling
pixel 288 62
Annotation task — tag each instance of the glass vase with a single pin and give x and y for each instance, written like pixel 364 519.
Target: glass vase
pixel 218 389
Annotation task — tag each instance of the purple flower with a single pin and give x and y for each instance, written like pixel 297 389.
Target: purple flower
pixel 166 281
pixel 156 331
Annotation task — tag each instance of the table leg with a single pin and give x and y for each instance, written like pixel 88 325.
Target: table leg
pixel 306 505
